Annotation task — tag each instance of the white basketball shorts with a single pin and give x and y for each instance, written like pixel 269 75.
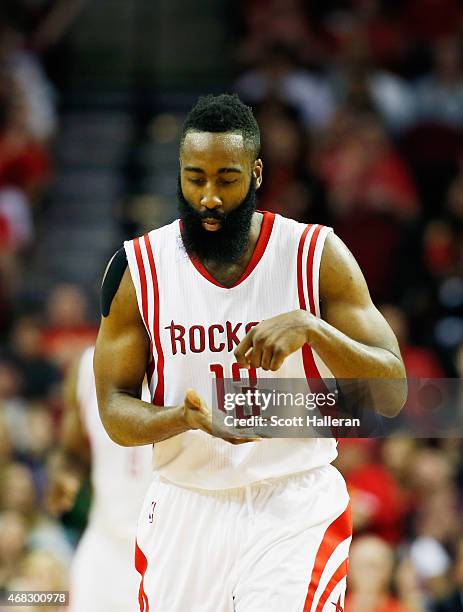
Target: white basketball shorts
pixel 274 546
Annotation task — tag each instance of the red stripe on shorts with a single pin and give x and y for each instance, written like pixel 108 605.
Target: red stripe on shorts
pixel 339 574
pixel 141 563
pixel 339 530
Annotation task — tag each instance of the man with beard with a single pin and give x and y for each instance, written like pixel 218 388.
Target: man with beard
pixel 233 522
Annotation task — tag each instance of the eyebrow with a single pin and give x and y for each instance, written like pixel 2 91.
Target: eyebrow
pixel 220 170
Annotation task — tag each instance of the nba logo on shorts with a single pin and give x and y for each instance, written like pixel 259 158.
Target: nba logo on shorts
pixel 151 514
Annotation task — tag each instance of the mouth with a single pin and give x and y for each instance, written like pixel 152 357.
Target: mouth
pixel 211 225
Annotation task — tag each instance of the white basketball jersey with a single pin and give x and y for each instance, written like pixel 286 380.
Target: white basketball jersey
pixel 195 324
pixel 119 475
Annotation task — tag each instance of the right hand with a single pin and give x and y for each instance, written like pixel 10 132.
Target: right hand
pixel 198 416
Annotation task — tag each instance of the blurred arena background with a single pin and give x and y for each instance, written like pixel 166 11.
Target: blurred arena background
pixel 360 105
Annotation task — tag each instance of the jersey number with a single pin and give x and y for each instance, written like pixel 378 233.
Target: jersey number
pixel 251 378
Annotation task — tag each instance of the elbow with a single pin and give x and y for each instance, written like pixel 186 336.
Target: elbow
pixel 110 423
pixel 115 435
pixel 396 394
pixel 391 410
pixel 389 391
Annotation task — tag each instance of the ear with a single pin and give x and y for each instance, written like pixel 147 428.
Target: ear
pixel 257 172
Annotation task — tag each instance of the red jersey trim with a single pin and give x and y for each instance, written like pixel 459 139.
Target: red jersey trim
pixel 300 249
pixel 153 330
pixel 310 273
pixel 264 237
pixel 150 368
pixel 158 398
pixel 143 285
pixel 310 367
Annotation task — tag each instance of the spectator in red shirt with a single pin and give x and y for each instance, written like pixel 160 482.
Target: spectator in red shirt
pixel 377 506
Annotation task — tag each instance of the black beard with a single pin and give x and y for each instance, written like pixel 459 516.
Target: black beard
pixel 227 244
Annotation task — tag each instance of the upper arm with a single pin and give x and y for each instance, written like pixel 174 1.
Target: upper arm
pixel 346 302
pixel 122 346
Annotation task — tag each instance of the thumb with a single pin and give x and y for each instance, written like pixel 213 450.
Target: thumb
pixel 192 399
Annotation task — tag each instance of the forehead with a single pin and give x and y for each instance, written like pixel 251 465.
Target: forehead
pixel 214 149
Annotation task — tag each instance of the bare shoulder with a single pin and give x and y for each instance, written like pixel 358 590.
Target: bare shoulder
pixel 340 275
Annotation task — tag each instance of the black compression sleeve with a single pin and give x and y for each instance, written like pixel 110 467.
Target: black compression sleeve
pixel 112 280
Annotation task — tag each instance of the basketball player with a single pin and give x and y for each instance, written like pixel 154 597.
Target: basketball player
pixel 102 573
pixel 232 523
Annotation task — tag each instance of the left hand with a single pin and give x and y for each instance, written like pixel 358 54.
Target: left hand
pixel 268 344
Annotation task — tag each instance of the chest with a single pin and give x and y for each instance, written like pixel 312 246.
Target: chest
pixel 197 317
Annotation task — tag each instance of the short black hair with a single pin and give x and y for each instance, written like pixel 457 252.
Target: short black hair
pixel 224 113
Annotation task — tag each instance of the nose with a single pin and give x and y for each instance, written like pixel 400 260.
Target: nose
pixel 209 199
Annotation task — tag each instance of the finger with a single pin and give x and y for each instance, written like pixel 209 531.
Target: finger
pixel 254 356
pixel 205 423
pixel 243 347
pixel 241 440
pixel 278 358
pixel 266 359
pixel 233 439
pixel 193 399
pixel 195 402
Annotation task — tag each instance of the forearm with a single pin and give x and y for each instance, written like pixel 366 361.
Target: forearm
pixel 347 358
pixel 130 421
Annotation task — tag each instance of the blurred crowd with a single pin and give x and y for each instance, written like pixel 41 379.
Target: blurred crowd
pixel 38 338
pixel 360 105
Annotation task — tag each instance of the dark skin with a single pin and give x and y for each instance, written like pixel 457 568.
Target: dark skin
pixel 353 338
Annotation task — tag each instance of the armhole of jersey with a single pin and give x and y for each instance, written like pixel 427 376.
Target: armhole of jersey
pixel 317 258
pixel 309 254
pixel 322 368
